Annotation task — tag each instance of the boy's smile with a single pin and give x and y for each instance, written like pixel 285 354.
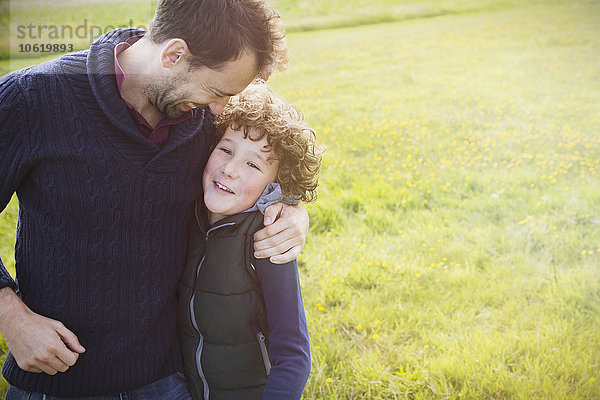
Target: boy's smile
pixel 223 187
pixel 237 172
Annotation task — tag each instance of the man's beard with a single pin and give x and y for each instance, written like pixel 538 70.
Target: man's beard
pixel 167 97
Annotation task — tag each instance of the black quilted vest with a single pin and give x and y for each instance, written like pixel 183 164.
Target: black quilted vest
pixel 222 317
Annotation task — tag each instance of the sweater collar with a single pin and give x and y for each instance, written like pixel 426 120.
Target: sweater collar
pixel 101 74
pixel 102 78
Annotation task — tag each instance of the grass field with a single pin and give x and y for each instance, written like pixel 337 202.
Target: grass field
pixel 454 251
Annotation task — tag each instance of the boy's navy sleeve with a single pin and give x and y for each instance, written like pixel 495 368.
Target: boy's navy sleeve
pixel 289 345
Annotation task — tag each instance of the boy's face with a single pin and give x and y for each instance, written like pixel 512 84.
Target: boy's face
pixel 237 172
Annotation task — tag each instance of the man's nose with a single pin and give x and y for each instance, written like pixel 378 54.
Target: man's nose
pixel 217 106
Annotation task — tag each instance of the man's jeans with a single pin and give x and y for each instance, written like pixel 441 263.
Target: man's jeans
pixel 173 387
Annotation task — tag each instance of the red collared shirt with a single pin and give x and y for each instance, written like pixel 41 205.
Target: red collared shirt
pixel 160 133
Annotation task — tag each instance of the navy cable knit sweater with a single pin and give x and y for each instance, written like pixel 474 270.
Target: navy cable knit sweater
pixel 103 219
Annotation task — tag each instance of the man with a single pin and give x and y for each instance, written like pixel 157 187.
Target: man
pixel 105 150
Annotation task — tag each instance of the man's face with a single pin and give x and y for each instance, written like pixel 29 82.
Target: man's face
pixel 183 89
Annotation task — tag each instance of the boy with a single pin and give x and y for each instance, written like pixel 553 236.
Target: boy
pixel 242 324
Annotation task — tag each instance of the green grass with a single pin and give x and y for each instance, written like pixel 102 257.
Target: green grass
pixel 75 23
pixel 455 246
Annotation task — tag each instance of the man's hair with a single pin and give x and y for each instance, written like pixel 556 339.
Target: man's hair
pixel 292 142
pixel 217 31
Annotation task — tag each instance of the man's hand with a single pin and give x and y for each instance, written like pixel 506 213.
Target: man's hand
pixel 284 235
pixel 39 344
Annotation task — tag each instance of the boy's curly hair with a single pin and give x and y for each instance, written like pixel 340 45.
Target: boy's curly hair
pixel 293 143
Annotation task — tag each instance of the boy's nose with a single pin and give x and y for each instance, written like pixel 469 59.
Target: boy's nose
pixel 230 169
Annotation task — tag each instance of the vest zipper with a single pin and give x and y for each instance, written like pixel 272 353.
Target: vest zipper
pixel 200 342
pixel 195 324
pixel 264 352
pixel 217 227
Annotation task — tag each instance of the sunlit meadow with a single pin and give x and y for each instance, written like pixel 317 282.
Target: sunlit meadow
pixel 454 250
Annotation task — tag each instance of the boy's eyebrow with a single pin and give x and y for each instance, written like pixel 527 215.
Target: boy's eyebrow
pixel 263 158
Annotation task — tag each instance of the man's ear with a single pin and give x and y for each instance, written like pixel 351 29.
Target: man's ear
pixel 173 52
